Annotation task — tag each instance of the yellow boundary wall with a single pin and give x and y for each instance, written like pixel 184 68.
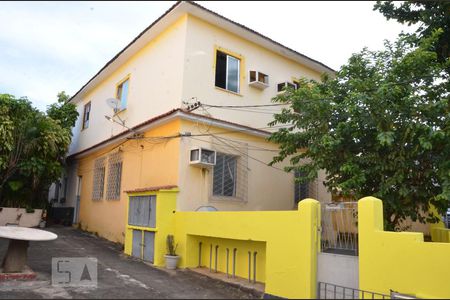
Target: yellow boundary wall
pixel 399 261
pixel 287 243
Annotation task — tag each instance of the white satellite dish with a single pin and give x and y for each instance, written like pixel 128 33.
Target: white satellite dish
pixel 113 103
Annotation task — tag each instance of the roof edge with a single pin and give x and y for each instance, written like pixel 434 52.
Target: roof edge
pixel 178 3
pixel 172 113
pixel 126 47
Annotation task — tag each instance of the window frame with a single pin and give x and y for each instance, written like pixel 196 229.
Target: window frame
pixel 115 164
pixel 99 166
pixel 119 85
pixel 240 67
pixel 84 125
pixel 235 172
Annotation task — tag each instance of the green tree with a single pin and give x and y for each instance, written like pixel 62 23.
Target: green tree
pixel 32 148
pixel 429 15
pixel 380 127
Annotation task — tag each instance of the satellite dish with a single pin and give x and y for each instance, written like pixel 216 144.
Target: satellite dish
pixel 206 208
pixel 113 103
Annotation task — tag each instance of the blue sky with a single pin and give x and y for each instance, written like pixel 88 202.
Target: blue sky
pixel 47 47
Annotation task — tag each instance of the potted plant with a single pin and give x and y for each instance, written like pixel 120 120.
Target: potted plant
pixel 171 257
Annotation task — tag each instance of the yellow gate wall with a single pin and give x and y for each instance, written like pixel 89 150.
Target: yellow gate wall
pixel 399 261
pixel 290 237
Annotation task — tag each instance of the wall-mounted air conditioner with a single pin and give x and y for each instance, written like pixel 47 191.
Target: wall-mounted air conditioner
pixel 203 158
pixel 258 80
pixel 284 85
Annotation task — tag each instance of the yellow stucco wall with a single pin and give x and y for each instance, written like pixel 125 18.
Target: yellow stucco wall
pixel 399 261
pixel 155 83
pixel 285 262
pixel 267 188
pixel 202 39
pixel 146 163
pixel 165 208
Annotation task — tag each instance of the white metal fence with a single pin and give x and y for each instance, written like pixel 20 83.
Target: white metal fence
pixel 339 228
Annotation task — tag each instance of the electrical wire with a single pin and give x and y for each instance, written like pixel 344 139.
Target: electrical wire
pixel 246 154
pixel 221 144
pixel 243 106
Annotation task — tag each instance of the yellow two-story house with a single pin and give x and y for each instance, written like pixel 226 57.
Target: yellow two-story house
pixel 184 106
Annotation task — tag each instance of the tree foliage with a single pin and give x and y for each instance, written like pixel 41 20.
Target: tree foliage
pixel 32 148
pixel 429 15
pixel 380 127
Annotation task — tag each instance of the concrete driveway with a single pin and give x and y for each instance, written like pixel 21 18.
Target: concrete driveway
pixel 119 276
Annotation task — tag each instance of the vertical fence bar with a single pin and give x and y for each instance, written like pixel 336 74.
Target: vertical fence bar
pixel 249 265
pixel 215 264
pixel 326 291
pixel 254 266
pixel 210 259
pixel 228 254
pixel 199 254
pixel 234 262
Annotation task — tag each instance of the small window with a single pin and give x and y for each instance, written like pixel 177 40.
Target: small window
pixel 122 94
pixel 114 176
pixel 227 72
pixel 86 115
pixel 98 184
pixel 304 190
pixel 297 84
pixel 224 175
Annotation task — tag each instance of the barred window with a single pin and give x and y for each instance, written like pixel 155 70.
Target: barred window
pixel 114 176
pixel 304 190
pixel 224 177
pixel 99 179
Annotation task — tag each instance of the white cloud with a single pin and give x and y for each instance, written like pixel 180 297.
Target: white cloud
pixel 47 47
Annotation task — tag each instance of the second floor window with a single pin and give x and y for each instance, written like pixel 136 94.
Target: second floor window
pixel 227 72
pixel 122 94
pixel 86 115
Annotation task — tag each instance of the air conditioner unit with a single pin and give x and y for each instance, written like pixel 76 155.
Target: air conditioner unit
pixel 258 80
pixel 202 158
pixel 283 85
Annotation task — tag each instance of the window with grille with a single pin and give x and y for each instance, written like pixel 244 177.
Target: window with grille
pixel 304 190
pixel 114 176
pixel 99 179
pixel 225 175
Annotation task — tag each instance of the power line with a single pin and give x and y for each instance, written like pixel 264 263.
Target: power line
pixel 221 144
pixel 241 106
pixel 185 134
pixel 246 154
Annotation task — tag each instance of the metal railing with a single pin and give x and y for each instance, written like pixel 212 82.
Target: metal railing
pixel 339 228
pixel 334 291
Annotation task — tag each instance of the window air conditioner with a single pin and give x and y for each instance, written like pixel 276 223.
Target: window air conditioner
pixel 203 158
pixel 258 80
pixel 283 85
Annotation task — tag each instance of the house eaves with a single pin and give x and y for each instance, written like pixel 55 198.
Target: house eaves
pixel 176 11
pixel 229 127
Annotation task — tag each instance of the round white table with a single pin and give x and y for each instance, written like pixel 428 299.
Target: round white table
pixel 19 238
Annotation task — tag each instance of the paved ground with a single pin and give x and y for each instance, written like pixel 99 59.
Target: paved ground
pixel 119 276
